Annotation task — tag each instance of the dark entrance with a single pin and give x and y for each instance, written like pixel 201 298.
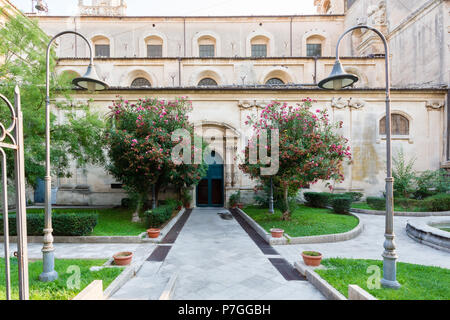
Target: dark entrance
pixel 210 190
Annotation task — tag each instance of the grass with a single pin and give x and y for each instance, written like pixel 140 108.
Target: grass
pixel 111 222
pixel 305 221
pixel 445 229
pixel 418 282
pixel 365 206
pixel 59 289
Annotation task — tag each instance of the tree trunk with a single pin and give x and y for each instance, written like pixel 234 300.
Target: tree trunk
pixel 139 206
pixel 287 214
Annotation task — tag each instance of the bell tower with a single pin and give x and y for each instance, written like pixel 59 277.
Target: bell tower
pixel 103 8
pixel 330 6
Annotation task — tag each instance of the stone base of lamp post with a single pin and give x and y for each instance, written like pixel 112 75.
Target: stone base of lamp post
pixel 49 274
pixel 390 272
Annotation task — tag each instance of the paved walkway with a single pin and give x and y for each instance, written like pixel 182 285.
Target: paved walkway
pixel 84 251
pixel 215 259
pixel 369 245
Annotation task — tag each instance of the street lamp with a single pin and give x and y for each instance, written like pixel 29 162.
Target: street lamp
pixel 337 80
pixel 91 82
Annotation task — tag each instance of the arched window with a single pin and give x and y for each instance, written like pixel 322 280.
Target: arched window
pixel 206 47
pixel 314 46
pixel 275 82
pixel 102 47
pixel 260 46
pixel 140 83
pixel 207 82
pixel 400 125
pixel 154 47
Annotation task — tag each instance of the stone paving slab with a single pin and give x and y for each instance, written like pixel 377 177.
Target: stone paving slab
pixel 369 245
pixel 216 260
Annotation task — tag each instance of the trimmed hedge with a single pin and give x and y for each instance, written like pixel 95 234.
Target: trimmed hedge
pixel 440 202
pixel 157 217
pixel 376 203
pixel 342 205
pixel 355 196
pixel 64 224
pixel 318 199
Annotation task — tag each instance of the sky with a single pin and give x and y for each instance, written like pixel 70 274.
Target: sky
pixel 188 7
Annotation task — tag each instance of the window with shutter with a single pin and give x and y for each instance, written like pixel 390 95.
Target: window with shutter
pixel 400 125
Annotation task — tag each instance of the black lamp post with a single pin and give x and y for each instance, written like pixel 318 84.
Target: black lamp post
pixel 91 82
pixel 337 80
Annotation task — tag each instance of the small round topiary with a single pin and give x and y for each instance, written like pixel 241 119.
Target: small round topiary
pixel 342 205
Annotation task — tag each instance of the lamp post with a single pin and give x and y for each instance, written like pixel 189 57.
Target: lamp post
pixel 271 211
pixel 337 80
pixel 91 82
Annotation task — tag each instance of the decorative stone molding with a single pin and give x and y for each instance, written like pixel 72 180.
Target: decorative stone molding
pixel 341 103
pixel 434 105
pixel 103 8
pixel 356 103
pixel 247 104
pixel 377 13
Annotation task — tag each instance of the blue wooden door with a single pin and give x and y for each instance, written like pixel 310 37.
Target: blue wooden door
pixel 210 190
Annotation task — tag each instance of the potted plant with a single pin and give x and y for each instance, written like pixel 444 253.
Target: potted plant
pixel 234 201
pixel 312 258
pixel 123 258
pixel 186 199
pixel 153 233
pixel 277 233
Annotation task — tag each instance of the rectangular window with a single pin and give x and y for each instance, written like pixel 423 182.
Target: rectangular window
pixel 154 51
pixel 314 50
pixel 259 50
pixel 102 50
pixel 206 50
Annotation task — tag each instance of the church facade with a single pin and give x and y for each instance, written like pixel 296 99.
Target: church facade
pixel 231 67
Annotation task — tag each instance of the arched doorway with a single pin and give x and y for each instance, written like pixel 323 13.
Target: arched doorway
pixel 210 190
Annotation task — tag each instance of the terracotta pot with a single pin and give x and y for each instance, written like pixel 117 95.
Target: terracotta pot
pixel 313 261
pixel 277 233
pixel 123 258
pixel 187 205
pixel 233 206
pixel 240 205
pixel 153 233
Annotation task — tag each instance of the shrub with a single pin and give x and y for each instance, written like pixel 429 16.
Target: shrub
pixel 125 203
pixel 440 202
pixel 318 199
pixel 430 183
pixel 404 175
pixel 157 217
pixel 64 224
pixel 173 204
pixel 235 198
pixel 355 196
pixel 342 204
pixel 186 197
pixel 408 204
pixel 376 203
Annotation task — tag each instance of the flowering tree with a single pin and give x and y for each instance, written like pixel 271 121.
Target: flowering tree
pixel 140 146
pixel 309 148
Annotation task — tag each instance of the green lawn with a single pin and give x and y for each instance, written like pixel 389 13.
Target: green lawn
pixel 305 221
pixel 57 290
pixel 111 222
pixel 445 229
pixel 365 206
pixel 418 282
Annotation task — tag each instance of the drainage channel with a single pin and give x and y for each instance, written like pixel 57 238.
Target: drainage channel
pixel 284 268
pixel 161 252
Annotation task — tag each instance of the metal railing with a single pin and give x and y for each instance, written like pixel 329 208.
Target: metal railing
pixel 12 138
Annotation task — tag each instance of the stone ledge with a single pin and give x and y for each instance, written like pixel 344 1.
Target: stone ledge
pixel 357 293
pixel 169 289
pixel 422 231
pixel 402 214
pixel 94 291
pixel 142 238
pixel 303 240
pixel 317 281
